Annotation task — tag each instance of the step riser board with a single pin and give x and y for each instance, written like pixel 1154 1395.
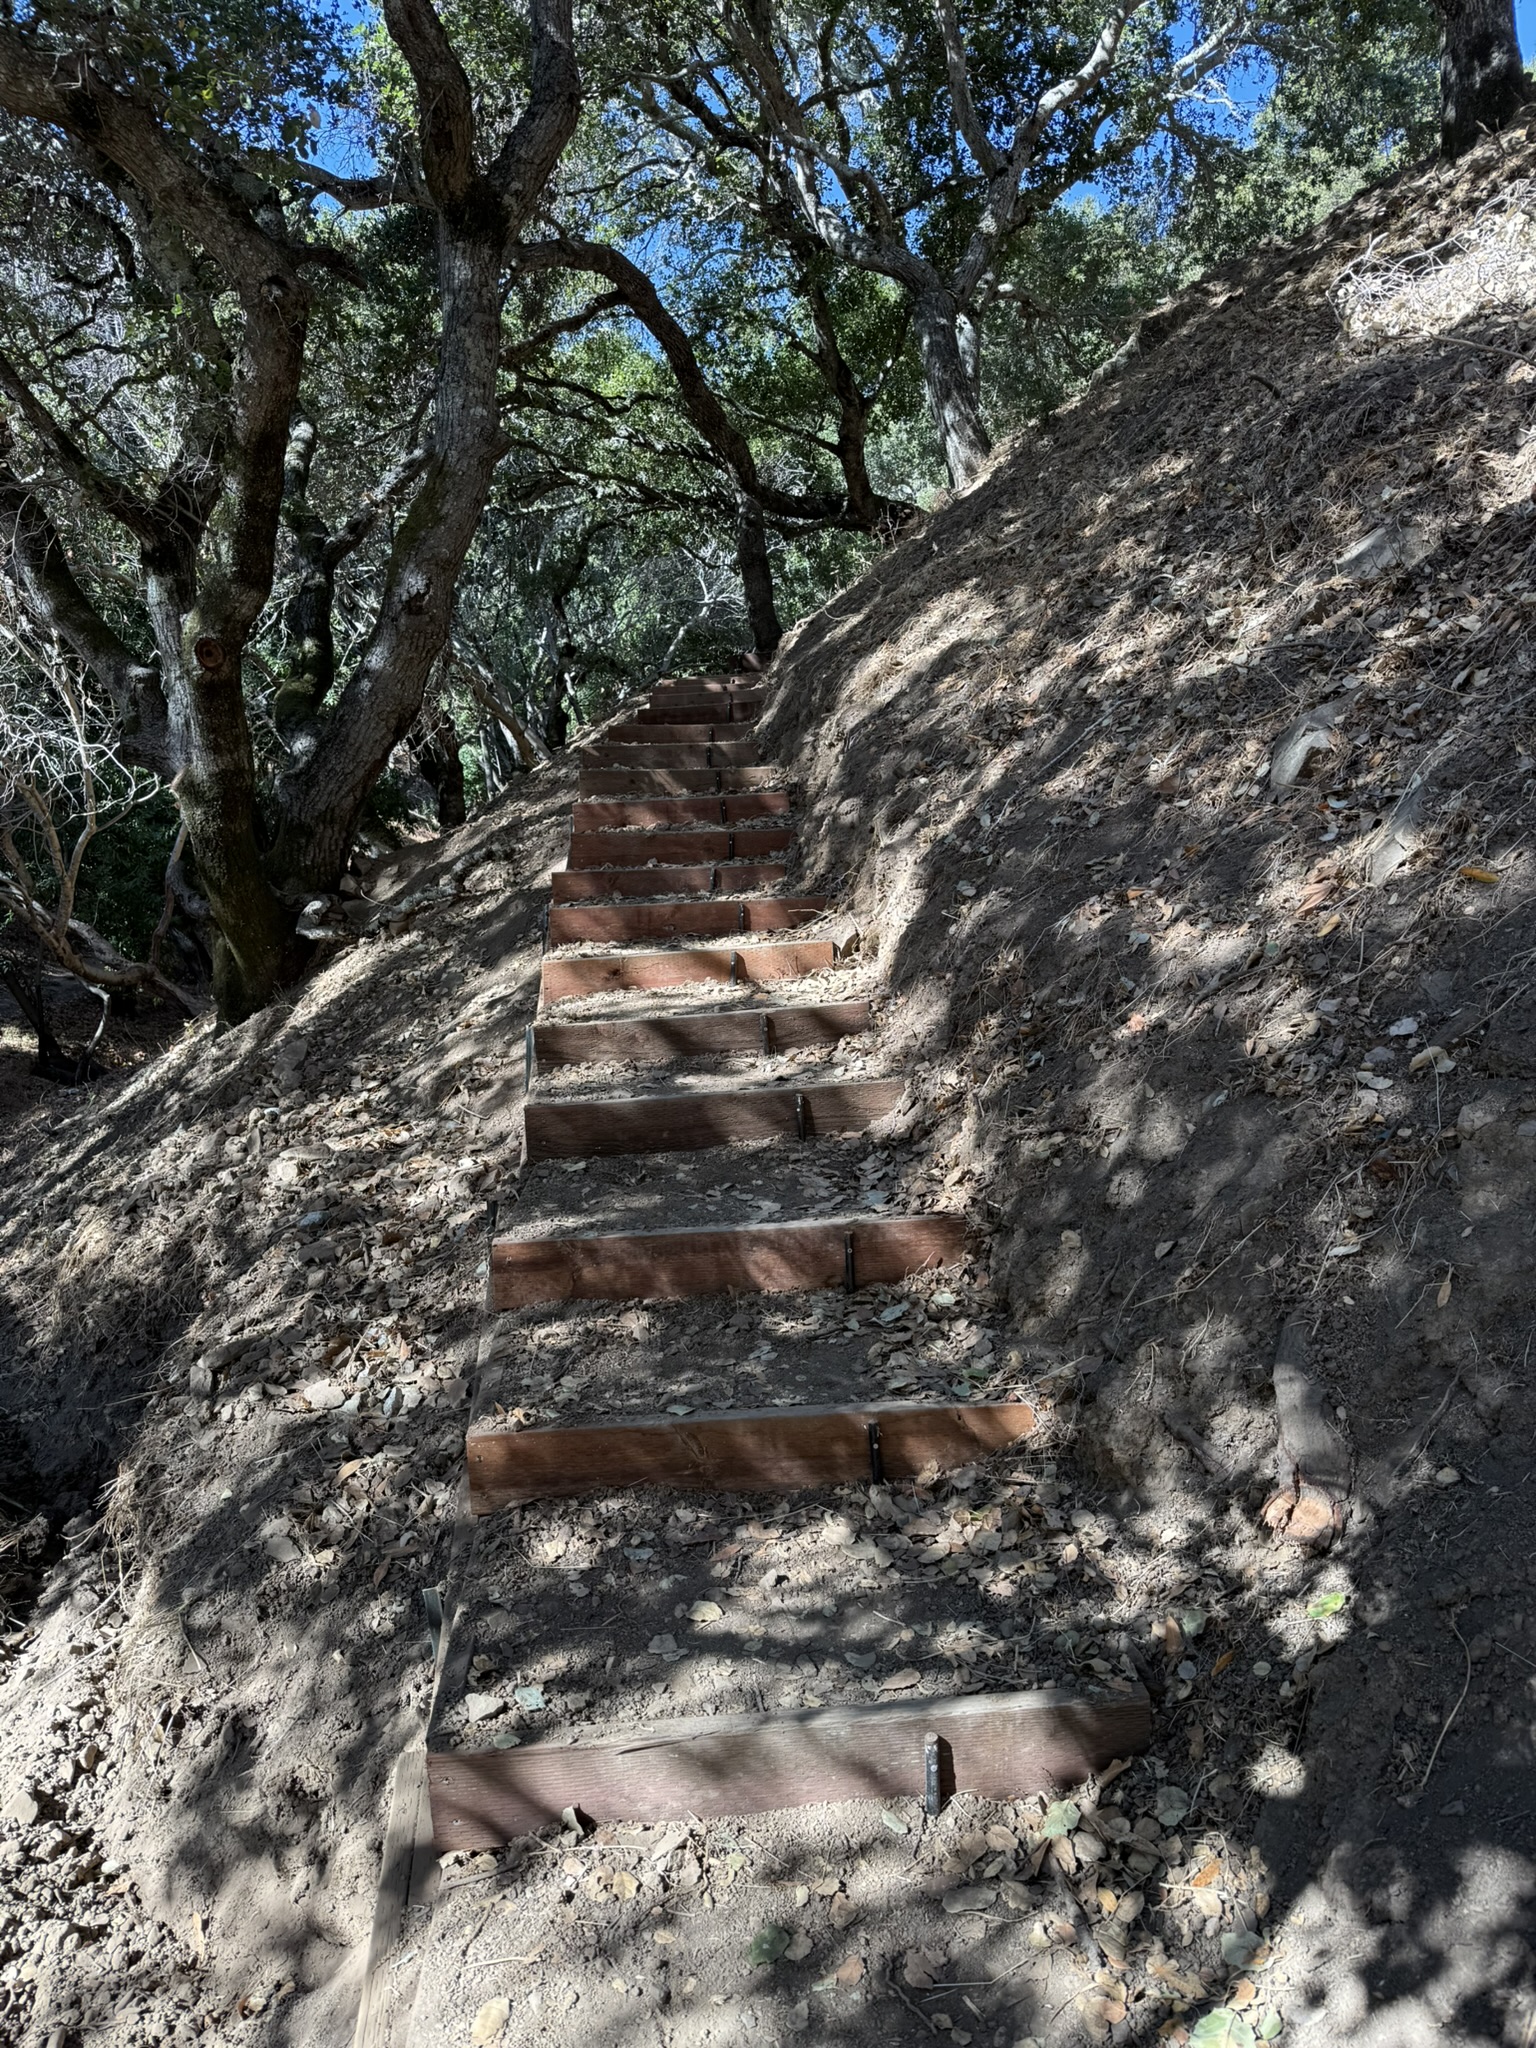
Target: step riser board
pixel 730 878
pixel 677 849
pixel 769 1258
pixel 746 966
pixel 695 1123
pixel 718 754
pixel 740 1451
pixel 676 781
pixel 996 1745
pixel 679 810
pixel 626 734
pixel 698 709
pixel 576 924
pixel 655 1040
pixel 732 688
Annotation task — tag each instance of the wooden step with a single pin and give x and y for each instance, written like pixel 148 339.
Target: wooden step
pixel 587 885
pixel 714 754
pixel 740 1450
pixel 676 849
pixel 724 712
pixel 758 1258
pixel 655 1040
pixel 571 1128
pixel 707 917
pixel 709 686
pixel 998 1745
pixel 676 781
pixel 627 734
pixel 748 965
pixel 680 810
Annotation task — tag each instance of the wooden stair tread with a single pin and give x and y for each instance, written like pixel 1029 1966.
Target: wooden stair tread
pixel 719 878
pixel 760 1258
pixel 572 924
pixel 591 974
pixel 708 754
pixel 675 781
pixel 711 844
pixel 679 810
pixel 581 1127
pixel 658 1039
pixel 737 1449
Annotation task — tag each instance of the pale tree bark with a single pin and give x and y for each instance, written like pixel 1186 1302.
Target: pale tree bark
pixel 1483 84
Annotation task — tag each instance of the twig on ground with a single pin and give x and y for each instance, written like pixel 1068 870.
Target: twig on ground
pixel 1466 1687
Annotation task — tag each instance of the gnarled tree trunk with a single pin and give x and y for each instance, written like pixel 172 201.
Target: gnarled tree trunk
pixel 954 403
pixel 1482 81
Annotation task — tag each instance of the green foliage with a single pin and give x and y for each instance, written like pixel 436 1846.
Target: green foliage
pixel 122 878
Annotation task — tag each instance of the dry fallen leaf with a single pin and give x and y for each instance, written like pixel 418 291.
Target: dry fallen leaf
pixel 841 1911
pixel 1222 1662
pixel 1242 1993
pixel 851 1972
pixel 1478 875
pixel 1329 925
pixel 1210 1873
pixel 489 2021
pixel 1443 1292
pixel 625 1884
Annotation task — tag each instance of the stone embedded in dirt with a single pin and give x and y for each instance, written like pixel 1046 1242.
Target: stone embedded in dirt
pixel 480 1706
pixel 324 1394
pixel 21 1807
pixel 490 2021
pixel 1447 1476
pixel 902 1681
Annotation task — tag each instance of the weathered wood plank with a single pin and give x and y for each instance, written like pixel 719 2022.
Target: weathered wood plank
pixel 708 686
pixel 675 781
pixel 657 1039
pixel 746 964
pixel 723 711
pixel 737 1451
pixel 710 917
pixel 997 1745
pixel 626 732
pixel 719 878
pixel 629 849
pixel 680 810
pixel 759 1258
pixel 582 1129
pixel 715 754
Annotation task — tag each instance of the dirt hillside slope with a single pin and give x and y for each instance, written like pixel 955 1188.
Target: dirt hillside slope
pixel 1179 779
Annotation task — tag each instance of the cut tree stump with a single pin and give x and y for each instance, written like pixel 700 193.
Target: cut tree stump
pixel 738 1451
pixel 748 964
pixel 656 1039
pixel 577 1129
pixel 757 1258
pixel 723 878
pixel 996 1745
pixel 708 917
pixel 716 754
pixel 675 781
pixel 676 849
pixel 680 810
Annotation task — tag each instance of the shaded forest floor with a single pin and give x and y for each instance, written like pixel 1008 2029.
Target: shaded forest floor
pixel 1179 777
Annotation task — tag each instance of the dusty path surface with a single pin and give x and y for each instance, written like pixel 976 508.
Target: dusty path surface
pixel 1190 854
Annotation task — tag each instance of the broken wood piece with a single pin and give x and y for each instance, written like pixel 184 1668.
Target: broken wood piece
pixel 592 976
pixel 997 1745
pixel 736 1451
pixel 666 1038
pixel 605 849
pixel 1312 1461
pixel 705 917
pixel 756 1258
pixel 726 878
pixel 680 810
pixel 675 781
pixel 574 1128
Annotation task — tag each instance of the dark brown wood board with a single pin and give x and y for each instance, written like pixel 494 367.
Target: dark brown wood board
pixel 724 711
pixel 758 1258
pixel 720 878
pixel 681 849
pixel 998 1745
pixel 707 917
pixel 738 1451
pixel 717 687
pixel 744 964
pixel 631 733
pixel 658 1039
pixel 675 781
pixel 572 1128
pixel 680 810
pixel 716 754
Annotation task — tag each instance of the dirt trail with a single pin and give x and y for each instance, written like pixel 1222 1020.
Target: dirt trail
pixel 1178 777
